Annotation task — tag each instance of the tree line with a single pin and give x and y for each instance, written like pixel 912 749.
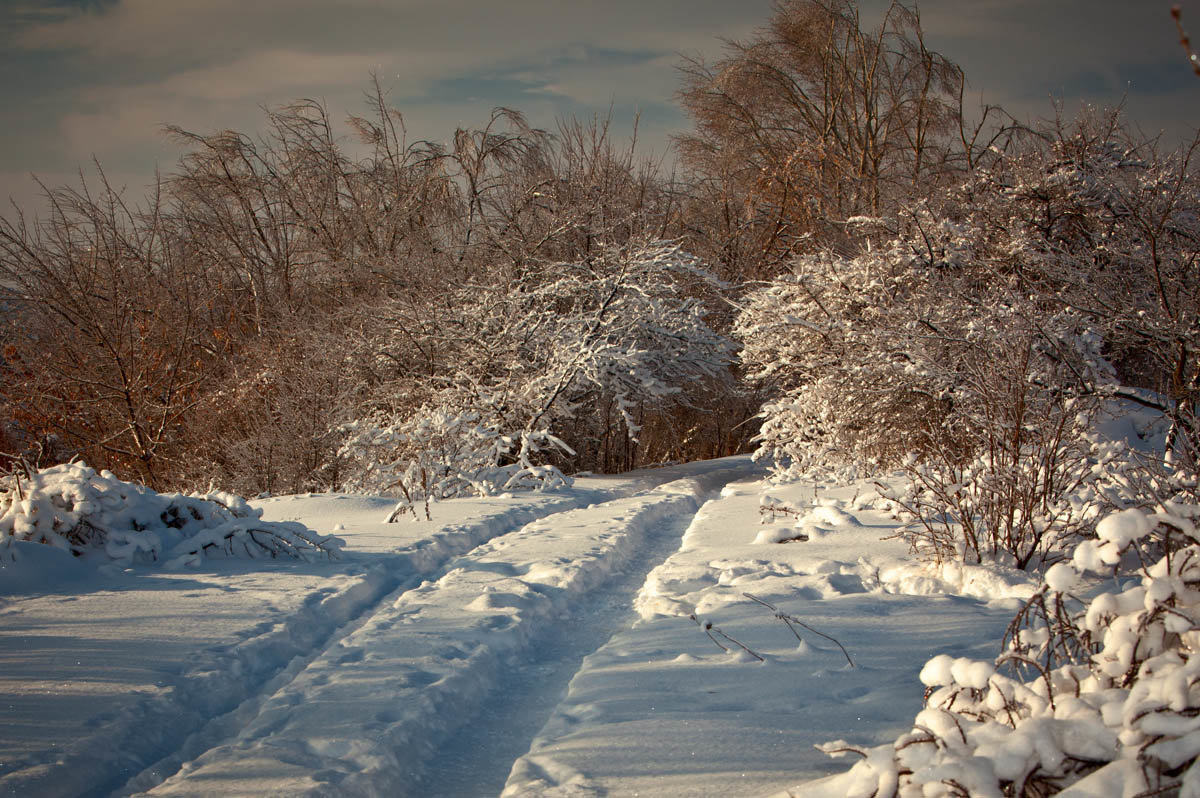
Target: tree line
pixel 848 267
pixel 279 306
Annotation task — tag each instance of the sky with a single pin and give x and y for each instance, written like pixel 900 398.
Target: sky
pixel 84 80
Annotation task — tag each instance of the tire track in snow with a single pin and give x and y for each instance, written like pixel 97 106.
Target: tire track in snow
pixel 218 696
pixel 367 714
pixel 478 759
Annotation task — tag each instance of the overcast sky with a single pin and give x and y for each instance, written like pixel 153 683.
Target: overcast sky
pixel 84 78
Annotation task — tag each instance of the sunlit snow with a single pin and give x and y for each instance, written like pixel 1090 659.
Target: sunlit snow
pixel 534 644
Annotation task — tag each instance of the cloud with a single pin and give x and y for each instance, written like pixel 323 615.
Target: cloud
pixel 102 76
pixel 22 190
pixel 108 76
pixel 271 75
pixel 162 29
pixel 463 32
pixel 122 123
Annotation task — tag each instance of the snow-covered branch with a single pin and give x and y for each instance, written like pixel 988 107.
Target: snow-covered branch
pixel 89 513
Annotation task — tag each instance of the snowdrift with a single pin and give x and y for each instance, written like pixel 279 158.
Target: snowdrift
pixel 88 513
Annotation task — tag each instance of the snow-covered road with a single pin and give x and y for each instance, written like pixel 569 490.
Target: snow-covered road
pixel 535 645
pixel 367 713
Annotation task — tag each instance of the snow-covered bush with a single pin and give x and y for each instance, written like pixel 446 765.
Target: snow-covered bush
pixel 75 508
pixel 981 328
pixel 950 345
pixel 440 454
pixel 1092 695
pixel 819 337
pixel 516 373
pixel 1027 500
pixel 922 346
pixel 1105 222
pixel 924 341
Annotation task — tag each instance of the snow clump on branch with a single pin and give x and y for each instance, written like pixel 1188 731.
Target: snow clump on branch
pixel 1096 696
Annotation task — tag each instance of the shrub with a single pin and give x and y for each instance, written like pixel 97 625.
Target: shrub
pixel 1100 692
pixel 72 507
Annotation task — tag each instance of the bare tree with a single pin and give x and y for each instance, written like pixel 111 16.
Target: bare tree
pixel 276 285
pixel 815 120
pixel 111 333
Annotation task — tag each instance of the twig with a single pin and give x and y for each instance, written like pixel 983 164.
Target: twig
pixel 709 629
pixel 707 626
pixel 18 460
pixel 789 620
pixel 842 749
pixel 1184 39
pixel 773 507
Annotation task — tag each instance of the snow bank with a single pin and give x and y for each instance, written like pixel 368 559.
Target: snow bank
pixel 1095 697
pixel 994 582
pixel 73 508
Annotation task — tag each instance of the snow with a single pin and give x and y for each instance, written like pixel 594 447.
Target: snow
pixel 661 710
pixel 531 644
pixel 1062 578
pixel 73 508
pixel 1124 527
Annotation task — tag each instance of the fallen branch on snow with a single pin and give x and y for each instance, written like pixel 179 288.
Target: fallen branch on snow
pixel 789 620
pixel 709 629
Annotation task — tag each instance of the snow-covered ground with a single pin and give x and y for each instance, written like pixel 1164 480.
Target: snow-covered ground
pixel 538 644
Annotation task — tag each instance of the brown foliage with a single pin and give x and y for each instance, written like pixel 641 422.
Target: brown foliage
pixel 275 286
pixel 111 334
pixel 815 120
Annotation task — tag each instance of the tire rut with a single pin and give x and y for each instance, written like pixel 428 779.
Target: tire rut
pixel 368 713
pixel 266 705
pixel 477 760
pixel 335 617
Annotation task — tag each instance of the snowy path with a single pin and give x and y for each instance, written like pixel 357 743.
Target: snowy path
pixel 365 715
pixel 659 710
pixel 164 696
pixel 111 674
pixel 535 645
pixel 291 647
pixel 478 761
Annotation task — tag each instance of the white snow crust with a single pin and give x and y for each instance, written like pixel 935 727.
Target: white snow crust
pixel 661 710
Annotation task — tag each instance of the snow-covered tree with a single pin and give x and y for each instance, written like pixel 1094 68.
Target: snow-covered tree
pixel 981 329
pixel 218 330
pixel 904 346
pixel 510 372
pixel 1098 220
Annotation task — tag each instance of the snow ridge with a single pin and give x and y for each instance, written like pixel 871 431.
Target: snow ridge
pixel 295 642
